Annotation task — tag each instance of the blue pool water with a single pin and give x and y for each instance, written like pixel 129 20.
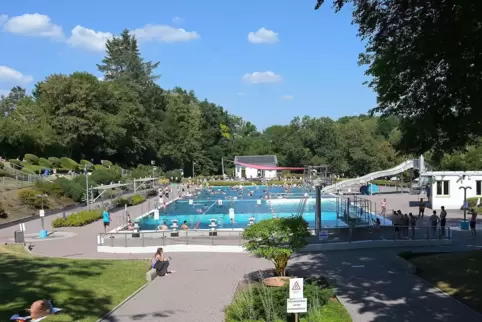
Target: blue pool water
pixel 245 203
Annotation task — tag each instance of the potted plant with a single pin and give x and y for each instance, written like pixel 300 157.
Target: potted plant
pixel 277 240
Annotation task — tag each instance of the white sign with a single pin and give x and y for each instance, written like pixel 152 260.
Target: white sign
pixel 297 305
pixel 323 234
pixel 191 201
pixel 296 288
pixel 42 213
pixel 258 202
pixel 220 202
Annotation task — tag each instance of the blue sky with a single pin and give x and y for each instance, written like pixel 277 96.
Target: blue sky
pixel 311 55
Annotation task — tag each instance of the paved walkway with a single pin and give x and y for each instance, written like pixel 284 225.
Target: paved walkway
pixel 370 283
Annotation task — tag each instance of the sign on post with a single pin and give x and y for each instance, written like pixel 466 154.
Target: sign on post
pixel 297 305
pixel 296 288
pixel 42 213
pixel 323 234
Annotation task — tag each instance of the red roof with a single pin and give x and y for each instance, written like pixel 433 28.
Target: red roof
pixel 265 167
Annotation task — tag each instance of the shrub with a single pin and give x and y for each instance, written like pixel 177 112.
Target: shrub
pixel 62 171
pixel 78 219
pixel 137 199
pixel 104 176
pixel 99 167
pixel 31 158
pixel 3 213
pixel 55 162
pixel 44 163
pixel 106 163
pixel 68 163
pixel 2 166
pixel 277 239
pixel 30 197
pixel 121 202
pixel 16 162
pixel 70 189
pixel 174 174
pixel 84 162
pixel 472 202
pixel 257 302
pixel 49 188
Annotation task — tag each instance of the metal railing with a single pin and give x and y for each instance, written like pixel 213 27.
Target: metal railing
pixel 171 237
pixel 373 233
pixel 234 237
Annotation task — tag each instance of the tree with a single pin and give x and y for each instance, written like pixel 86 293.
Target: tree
pixel 424 60
pixel 277 239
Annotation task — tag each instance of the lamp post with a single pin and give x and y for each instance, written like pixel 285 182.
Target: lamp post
pixel 86 172
pixel 193 163
pixel 42 213
pixel 464 224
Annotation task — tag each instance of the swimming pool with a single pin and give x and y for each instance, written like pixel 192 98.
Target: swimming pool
pixel 232 208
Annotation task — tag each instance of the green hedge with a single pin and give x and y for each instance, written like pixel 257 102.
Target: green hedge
pixel 2 166
pixel 3 213
pixel 31 158
pixel 30 197
pixel 44 163
pixel 68 163
pixel 16 162
pixel 78 219
pixel 473 204
pixel 55 162
pixel 130 201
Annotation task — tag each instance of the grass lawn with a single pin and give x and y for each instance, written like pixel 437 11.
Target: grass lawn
pixel 84 289
pixel 457 274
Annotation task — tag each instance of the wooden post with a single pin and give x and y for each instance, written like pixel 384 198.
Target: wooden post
pixel 297 317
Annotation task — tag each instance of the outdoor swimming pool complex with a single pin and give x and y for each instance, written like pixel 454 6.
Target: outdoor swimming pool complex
pixel 224 203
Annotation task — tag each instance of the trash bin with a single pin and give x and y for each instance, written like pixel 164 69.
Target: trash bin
pixel 19 237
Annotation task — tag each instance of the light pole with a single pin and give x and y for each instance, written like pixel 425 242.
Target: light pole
pixel 153 163
pixel 42 214
pixel 86 172
pixel 193 163
pixel 464 225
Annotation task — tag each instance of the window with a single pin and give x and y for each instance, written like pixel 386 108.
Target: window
pixel 443 188
pixel 478 187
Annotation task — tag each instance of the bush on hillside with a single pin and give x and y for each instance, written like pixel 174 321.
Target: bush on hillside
pixel 31 158
pixel 78 219
pixel 3 213
pixel 44 163
pixel 49 188
pixel 106 163
pixel 55 162
pixel 16 162
pixel 30 197
pixel 99 167
pixel 130 201
pixel 257 302
pixel 174 174
pixel 70 189
pixel 85 162
pixel 68 163
pixel 2 166
pixel 104 176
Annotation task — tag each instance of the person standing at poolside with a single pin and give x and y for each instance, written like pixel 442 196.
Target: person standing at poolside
pixel 384 207
pixel 473 218
pixel 443 220
pixel 106 218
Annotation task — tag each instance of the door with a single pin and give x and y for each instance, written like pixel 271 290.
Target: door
pixel 243 173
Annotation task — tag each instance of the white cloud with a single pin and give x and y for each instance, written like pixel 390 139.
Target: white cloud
pixel 11 76
pixel 263 36
pixel 164 33
pixel 177 20
pixel 3 19
pixel 287 97
pixel 33 24
pixel 89 39
pixel 262 77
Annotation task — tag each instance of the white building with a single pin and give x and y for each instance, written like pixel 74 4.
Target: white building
pixel 446 187
pixel 258 163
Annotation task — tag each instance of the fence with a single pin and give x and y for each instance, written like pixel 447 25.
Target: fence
pixel 169 237
pixel 234 237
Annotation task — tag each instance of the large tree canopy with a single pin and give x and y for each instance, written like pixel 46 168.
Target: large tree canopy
pixel 424 58
pixel 129 119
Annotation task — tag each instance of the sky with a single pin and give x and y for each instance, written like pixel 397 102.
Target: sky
pixel 266 61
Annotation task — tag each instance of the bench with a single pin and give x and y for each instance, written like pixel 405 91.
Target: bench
pixel 151 275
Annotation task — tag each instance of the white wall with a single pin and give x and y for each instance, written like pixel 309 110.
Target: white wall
pixel 455 197
pixel 253 173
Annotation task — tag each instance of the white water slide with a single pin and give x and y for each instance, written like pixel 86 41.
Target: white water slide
pixel 409 164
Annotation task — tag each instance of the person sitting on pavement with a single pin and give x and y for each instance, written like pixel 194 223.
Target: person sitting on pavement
pixel 184 225
pixel 160 263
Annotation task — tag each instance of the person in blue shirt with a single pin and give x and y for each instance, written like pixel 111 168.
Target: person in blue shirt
pixel 106 217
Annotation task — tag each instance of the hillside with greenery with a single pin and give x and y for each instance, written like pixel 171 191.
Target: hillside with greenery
pixel 129 119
